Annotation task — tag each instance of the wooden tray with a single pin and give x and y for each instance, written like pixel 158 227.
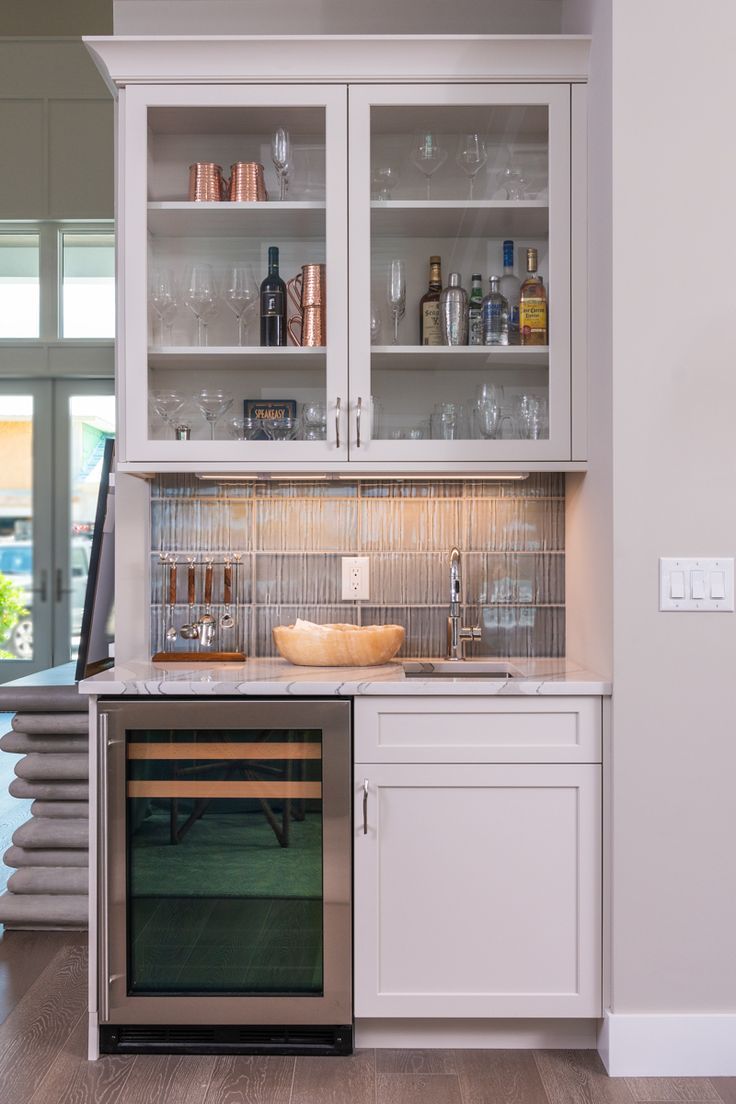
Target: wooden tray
pixel 198 657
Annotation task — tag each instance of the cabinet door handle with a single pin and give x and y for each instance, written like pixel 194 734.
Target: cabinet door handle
pixel 358 412
pixel 42 590
pixel 337 422
pixel 61 590
pixel 365 806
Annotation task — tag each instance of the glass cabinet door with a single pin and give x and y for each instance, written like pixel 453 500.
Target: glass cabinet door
pixel 217 181
pixel 453 185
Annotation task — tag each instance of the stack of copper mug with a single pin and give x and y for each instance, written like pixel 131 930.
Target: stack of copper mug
pixel 247 182
pixel 205 182
pixel 308 293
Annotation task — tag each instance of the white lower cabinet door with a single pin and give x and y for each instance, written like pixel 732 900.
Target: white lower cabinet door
pixel 477 890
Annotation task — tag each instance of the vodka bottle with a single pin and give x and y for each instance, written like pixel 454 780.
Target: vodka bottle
pixel 509 286
pixel 495 316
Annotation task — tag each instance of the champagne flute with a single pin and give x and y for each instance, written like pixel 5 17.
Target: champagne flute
pixel 162 296
pixel 397 294
pixel 428 156
pixel 201 297
pixel 281 157
pixel 241 295
pixel 471 156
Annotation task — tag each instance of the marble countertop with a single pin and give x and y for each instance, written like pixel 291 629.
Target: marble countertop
pixel 276 677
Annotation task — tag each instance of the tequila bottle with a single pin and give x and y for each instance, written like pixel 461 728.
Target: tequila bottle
pixel 495 316
pixel 533 305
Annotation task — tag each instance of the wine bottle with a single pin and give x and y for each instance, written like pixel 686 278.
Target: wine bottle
pixel 429 306
pixel 273 303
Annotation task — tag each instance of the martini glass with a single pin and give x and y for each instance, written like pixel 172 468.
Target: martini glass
pixel 213 404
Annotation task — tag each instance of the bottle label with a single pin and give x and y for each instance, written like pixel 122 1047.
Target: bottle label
pixel 475 326
pixel 272 303
pixel 431 332
pixel 533 321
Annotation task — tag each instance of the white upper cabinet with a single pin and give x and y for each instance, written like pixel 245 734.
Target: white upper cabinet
pixel 489 149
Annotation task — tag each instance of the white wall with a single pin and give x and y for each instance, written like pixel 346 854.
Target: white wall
pixel 336 17
pixel 674 397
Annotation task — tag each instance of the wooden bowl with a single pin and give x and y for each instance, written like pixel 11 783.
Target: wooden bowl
pixel 338 645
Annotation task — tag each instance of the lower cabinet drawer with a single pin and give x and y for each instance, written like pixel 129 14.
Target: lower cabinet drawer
pixel 477 891
pixel 476 730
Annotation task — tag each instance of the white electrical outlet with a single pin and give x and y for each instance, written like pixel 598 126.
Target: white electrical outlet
pixel 355 578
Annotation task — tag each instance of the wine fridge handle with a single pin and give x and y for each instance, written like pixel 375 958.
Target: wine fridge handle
pixel 358 413
pixel 103 916
pixel 338 403
pixel 365 806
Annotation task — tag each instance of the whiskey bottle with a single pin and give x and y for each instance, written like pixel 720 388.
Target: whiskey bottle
pixel 495 316
pixel 429 306
pixel 273 303
pixel 509 287
pixel 533 305
pixel 475 311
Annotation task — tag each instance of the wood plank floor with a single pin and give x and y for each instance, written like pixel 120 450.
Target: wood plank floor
pixel 43 1059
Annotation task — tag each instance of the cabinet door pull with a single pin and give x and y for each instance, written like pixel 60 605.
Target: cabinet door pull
pixel 358 412
pixel 337 422
pixel 365 806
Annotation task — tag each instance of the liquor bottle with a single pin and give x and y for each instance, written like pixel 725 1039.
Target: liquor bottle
pixel 273 303
pixel 429 306
pixel 533 305
pixel 509 286
pixel 475 311
pixel 495 316
pixel 454 312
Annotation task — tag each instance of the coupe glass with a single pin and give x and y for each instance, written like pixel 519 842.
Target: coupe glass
pixel 162 297
pixel 243 429
pixel 281 157
pixel 314 417
pixel 385 177
pixel 241 295
pixel 201 297
pixel 167 404
pixel 471 156
pixel 213 404
pixel 428 156
pixel 396 293
pixel 280 429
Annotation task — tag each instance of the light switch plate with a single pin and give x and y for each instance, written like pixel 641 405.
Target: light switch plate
pixel 355 578
pixel 696 584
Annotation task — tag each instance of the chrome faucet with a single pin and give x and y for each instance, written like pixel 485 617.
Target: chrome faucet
pixel 456 634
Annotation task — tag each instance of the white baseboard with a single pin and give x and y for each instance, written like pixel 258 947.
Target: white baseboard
pixel 561 1034
pixel 661 1045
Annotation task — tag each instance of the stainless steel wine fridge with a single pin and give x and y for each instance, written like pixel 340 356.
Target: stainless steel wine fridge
pixel 224 901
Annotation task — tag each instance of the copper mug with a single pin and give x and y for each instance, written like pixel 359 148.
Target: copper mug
pixel 205 182
pixel 247 183
pixel 308 292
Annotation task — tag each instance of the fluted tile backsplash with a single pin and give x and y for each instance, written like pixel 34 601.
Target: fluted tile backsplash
pixel 291 536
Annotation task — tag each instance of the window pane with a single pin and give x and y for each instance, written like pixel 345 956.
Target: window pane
pixel 16 533
pixel 88 290
pixel 92 421
pixel 19 286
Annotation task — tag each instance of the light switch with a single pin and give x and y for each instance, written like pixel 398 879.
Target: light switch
pixel 700 584
pixel 677 584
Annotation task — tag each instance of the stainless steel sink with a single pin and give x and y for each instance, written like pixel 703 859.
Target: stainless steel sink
pixel 460 668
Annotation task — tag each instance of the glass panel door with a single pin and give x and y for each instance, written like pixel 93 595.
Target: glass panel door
pixel 457 185
pixel 237 180
pixel 25 528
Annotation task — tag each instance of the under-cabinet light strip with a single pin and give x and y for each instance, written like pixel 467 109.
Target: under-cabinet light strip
pixel 339 477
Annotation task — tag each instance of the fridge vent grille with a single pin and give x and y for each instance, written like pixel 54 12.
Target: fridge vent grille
pixel 223 1039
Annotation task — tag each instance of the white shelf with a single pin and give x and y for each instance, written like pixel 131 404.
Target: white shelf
pixel 444 357
pixel 233 356
pixel 297 219
pixel 422 218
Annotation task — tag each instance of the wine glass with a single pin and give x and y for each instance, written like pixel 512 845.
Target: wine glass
pixel 201 297
pixel 376 325
pixel 213 404
pixel 471 156
pixel 385 177
pixel 513 181
pixel 162 296
pixel 281 157
pixel 428 156
pixel 241 295
pixel 396 293
pixel 167 404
